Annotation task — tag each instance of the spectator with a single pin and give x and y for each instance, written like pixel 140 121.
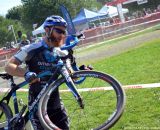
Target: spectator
pixel 19 33
pixel 24 41
pixel 158 8
pixel 144 12
pixel 149 11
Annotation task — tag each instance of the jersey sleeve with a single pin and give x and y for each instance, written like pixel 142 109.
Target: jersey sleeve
pixel 25 52
pixel 21 55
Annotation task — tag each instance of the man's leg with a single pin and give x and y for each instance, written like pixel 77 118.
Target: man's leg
pixel 59 118
pixel 57 112
pixel 34 114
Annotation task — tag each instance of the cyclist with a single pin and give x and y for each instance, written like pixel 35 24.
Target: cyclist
pixel 39 57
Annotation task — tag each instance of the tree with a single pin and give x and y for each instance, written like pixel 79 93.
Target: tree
pixel 35 11
pixel 104 1
pixel 14 13
pixel 76 5
pixel 5 34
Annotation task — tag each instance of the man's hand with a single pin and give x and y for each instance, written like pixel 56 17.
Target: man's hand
pixel 31 77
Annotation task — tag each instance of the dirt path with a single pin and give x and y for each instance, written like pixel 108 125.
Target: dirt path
pixel 120 46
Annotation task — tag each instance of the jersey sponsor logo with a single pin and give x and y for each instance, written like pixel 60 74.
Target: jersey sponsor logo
pixel 46 66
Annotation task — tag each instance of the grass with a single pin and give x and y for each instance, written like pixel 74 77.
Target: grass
pixel 142 110
pixel 139 65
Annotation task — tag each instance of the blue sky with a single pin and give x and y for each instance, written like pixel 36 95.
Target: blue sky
pixel 5 5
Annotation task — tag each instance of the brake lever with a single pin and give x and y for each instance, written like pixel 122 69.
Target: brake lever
pixel 81 36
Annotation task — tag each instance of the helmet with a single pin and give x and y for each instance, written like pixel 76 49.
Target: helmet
pixel 24 36
pixel 54 20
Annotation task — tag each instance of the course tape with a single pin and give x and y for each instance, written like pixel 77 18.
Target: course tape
pixel 152 85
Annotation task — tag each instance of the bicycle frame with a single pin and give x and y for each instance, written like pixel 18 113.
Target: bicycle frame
pixel 60 68
pixel 71 42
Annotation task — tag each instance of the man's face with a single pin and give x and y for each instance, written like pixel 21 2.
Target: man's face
pixel 58 35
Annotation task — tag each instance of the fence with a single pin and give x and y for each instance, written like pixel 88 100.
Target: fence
pixel 5 55
pixel 103 33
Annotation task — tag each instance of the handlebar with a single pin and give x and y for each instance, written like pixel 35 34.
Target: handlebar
pixel 71 41
pixel 80 36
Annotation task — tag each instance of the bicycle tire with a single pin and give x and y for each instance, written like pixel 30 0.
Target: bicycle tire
pixel 6 114
pixel 89 95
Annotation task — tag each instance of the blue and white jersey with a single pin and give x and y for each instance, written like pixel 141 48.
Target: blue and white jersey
pixel 39 57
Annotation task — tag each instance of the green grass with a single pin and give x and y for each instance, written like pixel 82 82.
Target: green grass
pixel 142 110
pixel 136 66
pixel 139 65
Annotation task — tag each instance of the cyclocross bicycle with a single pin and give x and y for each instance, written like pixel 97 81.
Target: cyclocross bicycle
pixel 97 102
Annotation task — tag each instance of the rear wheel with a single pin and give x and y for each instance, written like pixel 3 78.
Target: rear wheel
pixel 5 115
pixel 103 98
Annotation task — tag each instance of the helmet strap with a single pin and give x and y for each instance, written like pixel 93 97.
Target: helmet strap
pixel 50 39
pixel 49 32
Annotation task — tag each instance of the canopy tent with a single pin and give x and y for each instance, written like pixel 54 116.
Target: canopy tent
pixel 85 16
pixel 82 19
pixel 38 30
pixel 111 10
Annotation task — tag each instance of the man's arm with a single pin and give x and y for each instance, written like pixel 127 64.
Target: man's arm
pixel 13 68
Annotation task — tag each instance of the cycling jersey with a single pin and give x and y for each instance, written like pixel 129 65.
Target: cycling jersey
pixel 39 57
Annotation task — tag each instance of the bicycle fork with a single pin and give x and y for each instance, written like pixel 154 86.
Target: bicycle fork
pixel 72 87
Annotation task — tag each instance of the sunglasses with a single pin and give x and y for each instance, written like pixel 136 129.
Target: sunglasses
pixel 59 31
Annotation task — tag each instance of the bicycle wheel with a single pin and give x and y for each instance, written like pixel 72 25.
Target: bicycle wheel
pixel 103 98
pixel 5 115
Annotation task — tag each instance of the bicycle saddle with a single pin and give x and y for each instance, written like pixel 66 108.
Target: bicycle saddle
pixel 5 75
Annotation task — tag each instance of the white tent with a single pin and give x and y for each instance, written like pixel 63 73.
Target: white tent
pixel 38 30
pixel 111 10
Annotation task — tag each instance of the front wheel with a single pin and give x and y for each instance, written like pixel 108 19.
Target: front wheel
pixel 103 98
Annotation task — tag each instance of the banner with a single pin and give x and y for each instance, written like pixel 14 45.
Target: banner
pixel 66 15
